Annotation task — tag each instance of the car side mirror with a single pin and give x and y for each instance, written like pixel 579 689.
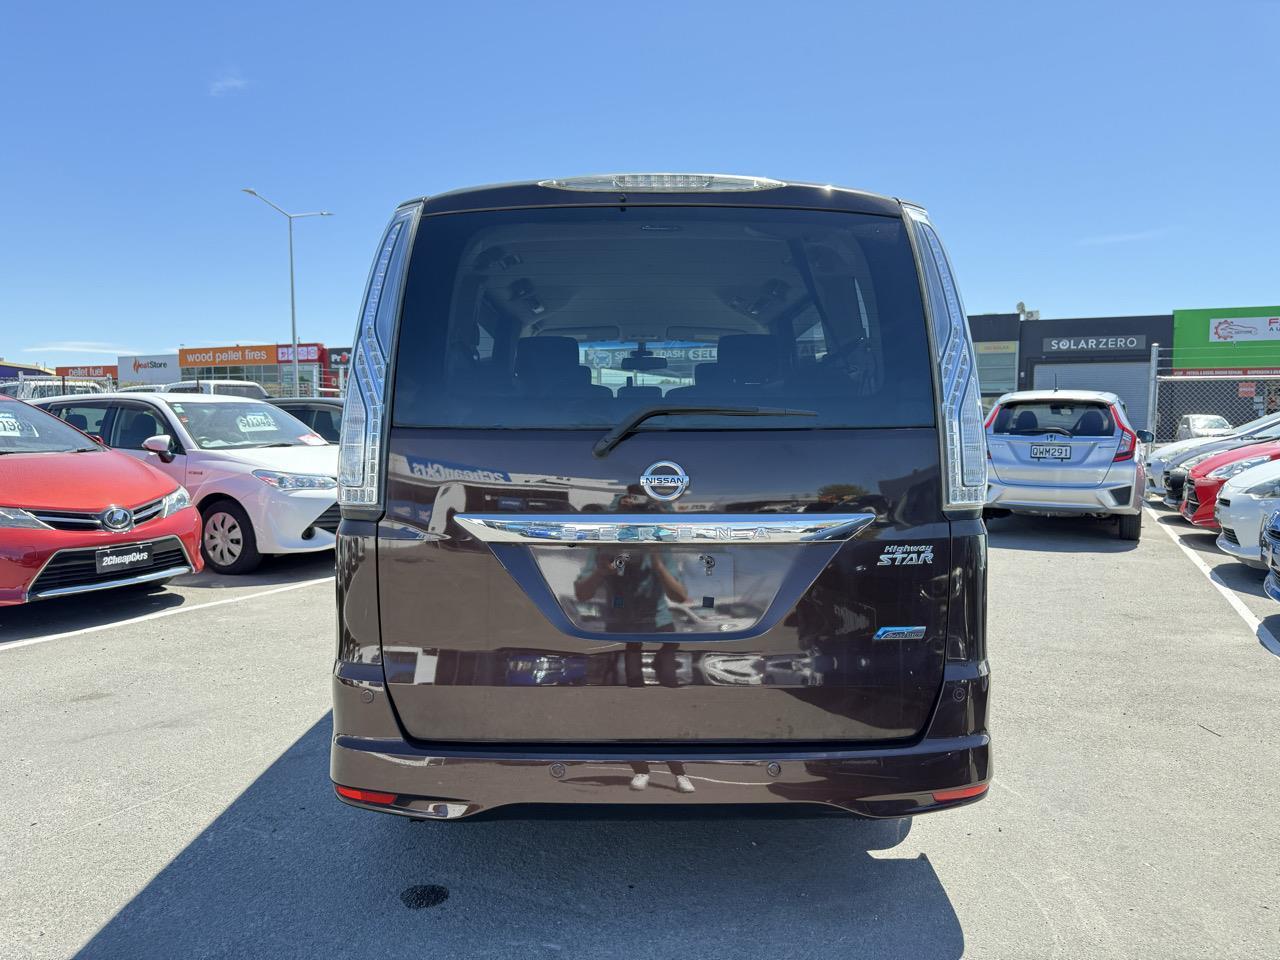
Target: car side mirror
pixel 1145 436
pixel 162 445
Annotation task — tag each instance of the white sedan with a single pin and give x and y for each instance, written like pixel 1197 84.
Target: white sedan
pixel 263 480
pixel 1244 502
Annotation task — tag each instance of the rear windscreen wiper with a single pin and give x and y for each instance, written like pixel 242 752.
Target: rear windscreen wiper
pixel 628 424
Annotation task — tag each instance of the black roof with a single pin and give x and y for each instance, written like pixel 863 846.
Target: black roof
pixel 531 193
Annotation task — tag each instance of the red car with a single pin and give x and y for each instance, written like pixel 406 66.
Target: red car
pixel 1206 478
pixel 75 516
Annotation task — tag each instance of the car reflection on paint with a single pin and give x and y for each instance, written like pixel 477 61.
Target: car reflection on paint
pixel 545 670
pixel 746 669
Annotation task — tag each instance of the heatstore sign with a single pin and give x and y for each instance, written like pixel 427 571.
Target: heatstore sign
pixel 149 368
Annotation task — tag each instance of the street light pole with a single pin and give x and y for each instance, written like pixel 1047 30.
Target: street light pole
pixel 293 308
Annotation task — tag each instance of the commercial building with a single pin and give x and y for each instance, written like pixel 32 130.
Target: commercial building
pixel 268 364
pixel 10 370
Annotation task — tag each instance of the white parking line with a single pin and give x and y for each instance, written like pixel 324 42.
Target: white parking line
pixel 185 608
pixel 1265 636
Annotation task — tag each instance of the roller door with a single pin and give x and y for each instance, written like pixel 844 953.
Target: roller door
pixel 1131 382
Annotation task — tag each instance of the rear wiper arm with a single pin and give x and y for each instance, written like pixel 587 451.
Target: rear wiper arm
pixel 628 425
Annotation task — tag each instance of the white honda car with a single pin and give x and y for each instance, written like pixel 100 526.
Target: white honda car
pixel 265 483
pixel 1243 505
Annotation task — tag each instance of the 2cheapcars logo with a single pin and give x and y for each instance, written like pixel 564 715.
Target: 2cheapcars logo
pixel 115 559
pixel 905 554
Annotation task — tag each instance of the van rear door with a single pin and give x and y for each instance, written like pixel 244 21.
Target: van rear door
pixel 712 578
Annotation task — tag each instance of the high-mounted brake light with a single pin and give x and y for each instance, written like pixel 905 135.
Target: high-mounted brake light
pixel 965 459
pixel 1128 439
pixel 662 183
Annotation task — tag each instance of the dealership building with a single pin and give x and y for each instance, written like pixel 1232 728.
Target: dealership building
pixel 1183 360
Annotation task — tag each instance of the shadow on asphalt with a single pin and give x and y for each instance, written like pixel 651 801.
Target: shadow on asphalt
pixel 275 571
pixel 1057 535
pixel 288 871
pixel 113 606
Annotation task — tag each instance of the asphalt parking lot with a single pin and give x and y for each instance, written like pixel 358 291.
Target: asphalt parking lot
pixel 166 793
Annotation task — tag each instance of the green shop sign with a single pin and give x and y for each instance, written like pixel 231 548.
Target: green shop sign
pixel 1228 341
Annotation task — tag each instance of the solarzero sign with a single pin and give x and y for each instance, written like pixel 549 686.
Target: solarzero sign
pixel 1094 344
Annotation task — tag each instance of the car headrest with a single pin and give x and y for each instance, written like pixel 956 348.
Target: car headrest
pixel 1026 420
pixel 78 420
pixel 539 357
pixel 1091 424
pixel 748 357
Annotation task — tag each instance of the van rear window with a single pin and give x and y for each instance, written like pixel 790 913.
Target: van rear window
pixel 1071 419
pixel 576 317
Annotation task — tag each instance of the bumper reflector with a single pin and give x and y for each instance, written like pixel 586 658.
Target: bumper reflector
pixel 964 793
pixel 365 796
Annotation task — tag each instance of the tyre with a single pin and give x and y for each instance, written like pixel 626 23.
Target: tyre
pixel 226 539
pixel 1131 526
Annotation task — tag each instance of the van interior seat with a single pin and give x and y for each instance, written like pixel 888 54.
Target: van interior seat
pixel 548 366
pixel 748 359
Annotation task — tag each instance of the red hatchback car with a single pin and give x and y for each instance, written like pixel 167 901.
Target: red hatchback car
pixel 76 517
pixel 1200 494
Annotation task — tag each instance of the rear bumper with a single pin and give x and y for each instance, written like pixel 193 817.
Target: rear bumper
pixel 1115 495
pixel 455 781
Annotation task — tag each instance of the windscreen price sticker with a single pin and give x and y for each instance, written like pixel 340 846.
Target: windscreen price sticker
pixel 9 426
pixel 255 422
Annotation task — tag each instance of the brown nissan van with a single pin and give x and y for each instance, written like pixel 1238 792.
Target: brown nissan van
pixel 661 489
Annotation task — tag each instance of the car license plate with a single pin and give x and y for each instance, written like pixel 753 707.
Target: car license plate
pixel 118 559
pixel 1050 451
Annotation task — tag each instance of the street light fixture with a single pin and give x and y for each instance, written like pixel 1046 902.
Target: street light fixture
pixel 293 309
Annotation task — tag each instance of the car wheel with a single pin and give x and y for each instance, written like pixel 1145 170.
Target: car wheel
pixel 227 541
pixel 1131 526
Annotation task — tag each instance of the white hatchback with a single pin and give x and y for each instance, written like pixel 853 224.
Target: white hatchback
pixel 265 483
pixel 1243 505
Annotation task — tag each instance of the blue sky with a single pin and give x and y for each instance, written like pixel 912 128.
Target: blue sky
pixel 1088 160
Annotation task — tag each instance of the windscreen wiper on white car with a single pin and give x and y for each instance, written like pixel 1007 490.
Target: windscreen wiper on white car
pixel 628 424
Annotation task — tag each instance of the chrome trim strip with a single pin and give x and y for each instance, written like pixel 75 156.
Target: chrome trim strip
pixel 648 528
pixel 107 585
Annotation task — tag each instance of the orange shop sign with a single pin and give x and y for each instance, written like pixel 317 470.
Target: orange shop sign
pixel 227 356
pixel 98 370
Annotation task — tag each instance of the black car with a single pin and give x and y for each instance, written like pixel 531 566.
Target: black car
pixel 587 417
pixel 321 414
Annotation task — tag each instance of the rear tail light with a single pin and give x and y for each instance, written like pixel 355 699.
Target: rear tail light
pixel 965 460
pixel 963 793
pixel 365 796
pixel 1128 439
pixel 991 417
pixel 360 444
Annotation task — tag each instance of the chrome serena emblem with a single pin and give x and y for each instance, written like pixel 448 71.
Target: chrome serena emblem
pixel 664 480
pixel 645 528
pixel 116 518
